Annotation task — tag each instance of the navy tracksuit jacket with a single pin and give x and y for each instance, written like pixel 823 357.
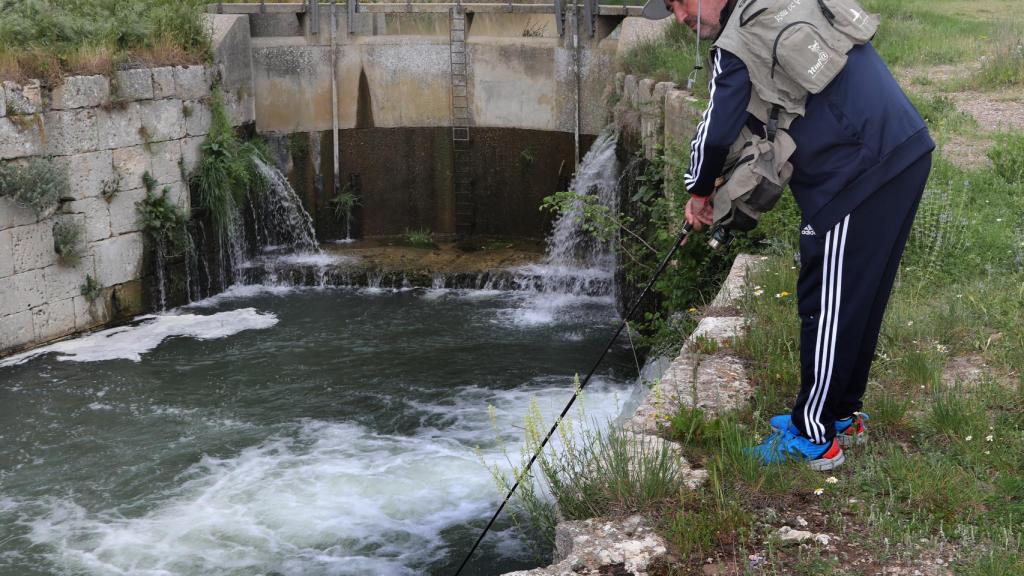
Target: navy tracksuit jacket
pixel 861 164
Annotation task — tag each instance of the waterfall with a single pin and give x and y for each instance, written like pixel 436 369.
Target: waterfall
pixel 576 262
pixel 286 224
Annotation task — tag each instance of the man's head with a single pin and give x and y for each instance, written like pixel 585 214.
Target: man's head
pixel 687 12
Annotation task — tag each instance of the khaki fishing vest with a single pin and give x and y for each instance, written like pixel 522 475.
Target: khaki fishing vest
pixel 793 48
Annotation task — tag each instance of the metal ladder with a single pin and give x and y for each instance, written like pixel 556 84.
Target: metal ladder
pixel 464 205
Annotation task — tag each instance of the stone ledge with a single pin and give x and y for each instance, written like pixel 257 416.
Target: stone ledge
pixel 599 546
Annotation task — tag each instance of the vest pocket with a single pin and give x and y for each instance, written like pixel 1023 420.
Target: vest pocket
pixel 803 54
pixel 848 17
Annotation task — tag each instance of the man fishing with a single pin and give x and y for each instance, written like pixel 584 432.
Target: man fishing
pixel 862 158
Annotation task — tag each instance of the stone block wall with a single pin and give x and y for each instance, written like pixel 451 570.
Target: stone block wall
pixel 659 114
pixel 104 133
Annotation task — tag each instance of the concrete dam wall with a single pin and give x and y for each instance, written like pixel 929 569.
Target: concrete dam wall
pixel 395 71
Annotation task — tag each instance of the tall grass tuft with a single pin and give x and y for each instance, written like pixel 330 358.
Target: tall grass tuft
pixel 1007 157
pixel 226 172
pixel 594 471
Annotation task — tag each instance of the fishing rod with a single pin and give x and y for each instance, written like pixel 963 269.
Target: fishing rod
pixel 681 240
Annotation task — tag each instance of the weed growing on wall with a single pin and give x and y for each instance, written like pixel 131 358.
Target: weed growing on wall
pixel 343 204
pixel 91 289
pixel 162 220
pixel 67 241
pixel 38 184
pixel 226 172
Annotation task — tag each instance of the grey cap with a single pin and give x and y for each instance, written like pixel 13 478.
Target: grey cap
pixel 656 10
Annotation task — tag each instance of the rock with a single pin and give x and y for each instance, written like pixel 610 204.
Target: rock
pixel 602 546
pixel 81 92
pixel 163 82
pixel 27 99
pixel 134 84
pixel 71 132
pixel 787 535
pixel 823 539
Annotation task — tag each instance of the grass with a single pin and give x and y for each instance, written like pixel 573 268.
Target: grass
pixel 51 38
pixel 420 239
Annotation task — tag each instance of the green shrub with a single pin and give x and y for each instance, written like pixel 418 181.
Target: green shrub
pixel 344 203
pixel 162 220
pixel 226 172
pixel 1008 157
pixel 420 239
pixel 67 241
pixel 91 289
pixel 38 185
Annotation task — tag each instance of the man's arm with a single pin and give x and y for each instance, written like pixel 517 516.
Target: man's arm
pixel 724 117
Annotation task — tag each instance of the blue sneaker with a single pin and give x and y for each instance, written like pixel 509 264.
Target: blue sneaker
pixel 788 444
pixel 850 431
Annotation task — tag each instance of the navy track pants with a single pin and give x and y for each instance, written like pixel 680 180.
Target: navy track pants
pixel 846 275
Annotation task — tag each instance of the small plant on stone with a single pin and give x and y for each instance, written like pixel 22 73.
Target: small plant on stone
pixel 111 188
pixel 343 204
pixel 91 289
pixel 534 29
pixel 420 239
pixel 162 220
pixel 67 241
pixel 38 185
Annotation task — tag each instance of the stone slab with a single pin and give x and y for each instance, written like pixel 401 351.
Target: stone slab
pixel 134 84
pixel 53 320
pixel 96 215
pixel 66 281
pixel 723 330
pixel 162 120
pixel 192 152
pixel 190 82
pixel 636 30
pixel 164 162
pixel 80 92
pixel 124 214
pixel 91 314
pixel 120 127
pixel 197 119
pixel 119 259
pixel 71 132
pixel 629 90
pixel 15 330
pixel 732 288
pixel 6 253
pixel 20 136
pixel 88 173
pixel 23 99
pixel 130 164
pixel 22 292
pixel 163 82
pixel 13 215
pixel 33 246
pixel 682 115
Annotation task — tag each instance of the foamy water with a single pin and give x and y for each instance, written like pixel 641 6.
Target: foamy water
pixel 131 342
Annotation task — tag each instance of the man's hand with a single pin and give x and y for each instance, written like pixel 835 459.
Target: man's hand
pixel 699 212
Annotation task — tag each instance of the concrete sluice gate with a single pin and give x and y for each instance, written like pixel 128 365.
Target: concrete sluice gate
pixel 273 428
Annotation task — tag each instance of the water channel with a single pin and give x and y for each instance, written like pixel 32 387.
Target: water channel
pixel 280 430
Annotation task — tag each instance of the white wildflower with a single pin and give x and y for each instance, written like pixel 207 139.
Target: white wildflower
pixel 832 480
pixel 819 491
pixel 969 438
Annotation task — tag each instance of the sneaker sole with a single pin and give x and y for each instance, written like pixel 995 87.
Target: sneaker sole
pixel 824 464
pixel 847 440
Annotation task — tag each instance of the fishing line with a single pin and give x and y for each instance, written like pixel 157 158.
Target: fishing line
pixel 680 241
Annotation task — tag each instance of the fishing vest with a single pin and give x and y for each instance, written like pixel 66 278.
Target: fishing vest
pixel 793 48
